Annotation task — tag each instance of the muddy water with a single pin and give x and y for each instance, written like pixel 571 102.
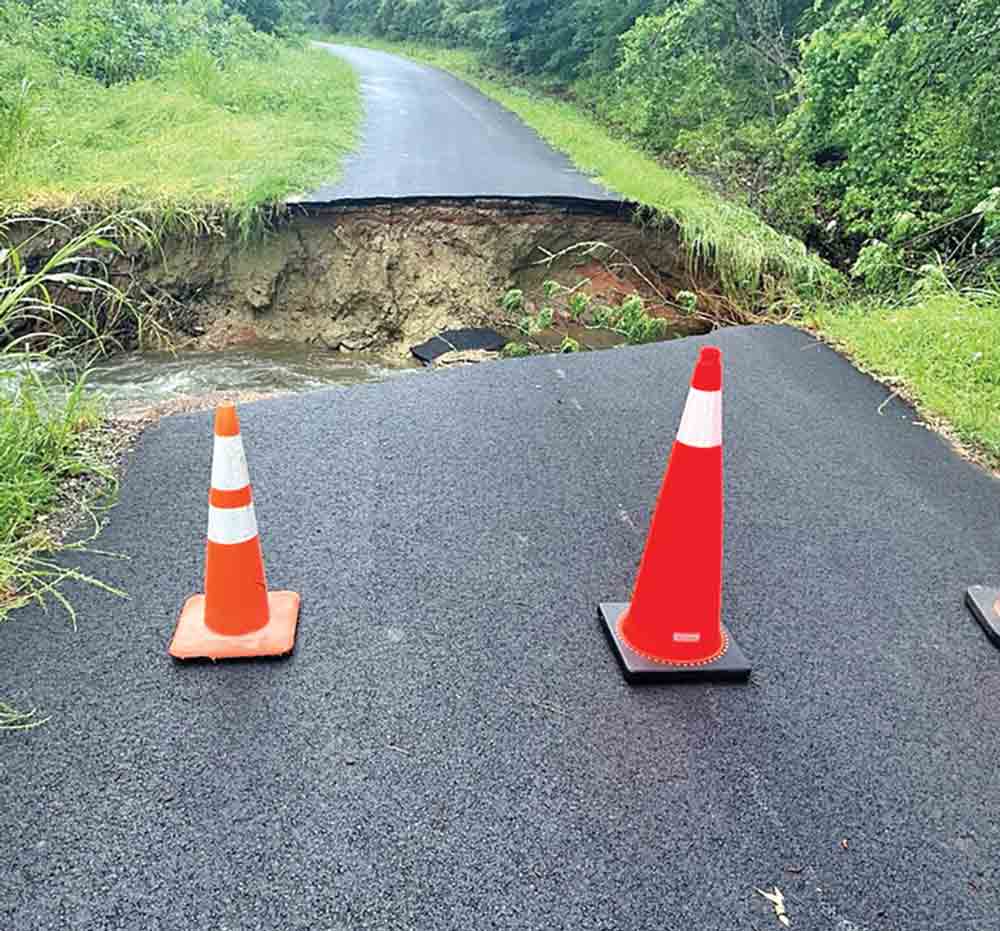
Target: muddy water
pixel 145 379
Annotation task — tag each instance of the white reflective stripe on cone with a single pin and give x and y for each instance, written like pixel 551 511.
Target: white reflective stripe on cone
pixel 231 525
pixel 701 425
pixel 229 464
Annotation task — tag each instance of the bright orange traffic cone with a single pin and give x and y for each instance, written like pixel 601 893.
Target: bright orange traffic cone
pixel 673 627
pixel 985 605
pixel 236 617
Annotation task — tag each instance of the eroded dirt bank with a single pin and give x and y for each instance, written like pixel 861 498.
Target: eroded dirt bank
pixel 387 276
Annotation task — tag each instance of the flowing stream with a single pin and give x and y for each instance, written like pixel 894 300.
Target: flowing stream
pixel 142 379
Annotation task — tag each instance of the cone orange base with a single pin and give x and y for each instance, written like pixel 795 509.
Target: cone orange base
pixel 982 602
pixel 193 640
pixel 731 666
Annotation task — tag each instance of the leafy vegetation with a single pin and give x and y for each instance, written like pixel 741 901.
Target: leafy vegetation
pixel 515 350
pixel 168 105
pixel 630 318
pixel 841 121
pixel 58 305
pixel 866 129
pixel 748 255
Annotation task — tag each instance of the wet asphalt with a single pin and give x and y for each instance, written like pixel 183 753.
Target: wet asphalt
pixel 452 744
pixel 428 134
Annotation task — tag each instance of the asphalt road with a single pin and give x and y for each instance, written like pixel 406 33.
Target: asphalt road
pixel 426 133
pixel 452 746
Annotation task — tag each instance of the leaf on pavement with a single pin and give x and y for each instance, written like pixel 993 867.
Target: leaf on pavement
pixel 777 899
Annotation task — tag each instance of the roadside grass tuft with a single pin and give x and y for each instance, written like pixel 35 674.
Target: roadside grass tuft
pixel 747 255
pixel 45 447
pixel 13 720
pixel 196 139
pixel 64 304
pixel 942 351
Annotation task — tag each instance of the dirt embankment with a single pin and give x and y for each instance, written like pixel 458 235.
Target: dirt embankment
pixel 386 276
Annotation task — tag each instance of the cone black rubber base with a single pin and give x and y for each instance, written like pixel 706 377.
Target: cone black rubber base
pixel 982 602
pixel 732 666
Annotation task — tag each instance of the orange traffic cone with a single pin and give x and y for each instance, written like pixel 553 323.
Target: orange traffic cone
pixel 237 616
pixel 673 628
pixel 985 605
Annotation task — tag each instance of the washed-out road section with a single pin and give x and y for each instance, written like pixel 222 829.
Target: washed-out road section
pixel 452 744
pixel 429 134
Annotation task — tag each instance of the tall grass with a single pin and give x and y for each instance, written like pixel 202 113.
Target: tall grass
pixel 748 256
pixel 198 137
pixel 15 107
pixel 60 300
pixel 45 444
pixel 56 289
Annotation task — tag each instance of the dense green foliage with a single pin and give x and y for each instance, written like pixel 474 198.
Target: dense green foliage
pixel 165 104
pixel 846 122
pixel 122 40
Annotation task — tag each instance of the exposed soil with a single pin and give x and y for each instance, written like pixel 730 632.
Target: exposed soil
pixel 386 277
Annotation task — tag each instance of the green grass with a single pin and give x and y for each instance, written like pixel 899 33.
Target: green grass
pixel 13 720
pixel 943 352
pixel 45 439
pixel 747 254
pixel 196 138
pixel 51 454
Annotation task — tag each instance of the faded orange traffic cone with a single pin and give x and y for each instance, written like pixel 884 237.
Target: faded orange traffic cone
pixel 236 617
pixel 984 603
pixel 672 629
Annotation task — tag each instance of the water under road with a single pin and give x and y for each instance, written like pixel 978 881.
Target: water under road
pixel 144 379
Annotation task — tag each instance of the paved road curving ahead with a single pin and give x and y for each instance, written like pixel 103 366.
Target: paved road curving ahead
pixel 452 745
pixel 428 134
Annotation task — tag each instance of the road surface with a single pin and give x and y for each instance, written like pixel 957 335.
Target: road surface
pixel 426 133
pixel 452 746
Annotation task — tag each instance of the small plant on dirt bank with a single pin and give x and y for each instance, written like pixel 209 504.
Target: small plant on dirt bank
pixel 631 320
pixel 686 301
pixel 533 324
pixel 515 350
pixel 579 304
pixel 513 301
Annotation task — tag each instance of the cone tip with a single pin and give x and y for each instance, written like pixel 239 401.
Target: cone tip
pixel 227 423
pixel 708 373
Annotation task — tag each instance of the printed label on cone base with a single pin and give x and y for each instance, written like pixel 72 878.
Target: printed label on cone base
pixel 731 666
